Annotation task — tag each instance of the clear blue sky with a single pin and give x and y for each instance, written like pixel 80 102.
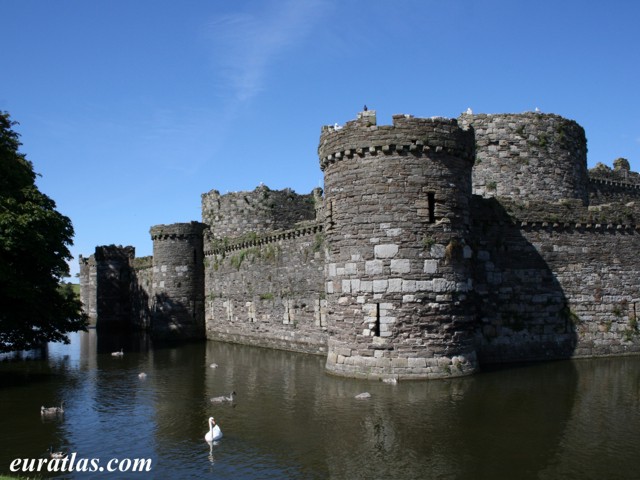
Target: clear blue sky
pixel 131 109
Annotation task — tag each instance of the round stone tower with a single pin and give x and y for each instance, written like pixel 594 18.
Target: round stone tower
pixel 260 211
pixel 529 156
pixel 178 281
pixel 398 264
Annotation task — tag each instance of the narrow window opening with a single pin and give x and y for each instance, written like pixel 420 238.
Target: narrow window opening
pixel 431 202
pixel 376 326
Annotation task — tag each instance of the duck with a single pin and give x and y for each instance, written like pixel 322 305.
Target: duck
pixel 117 354
pixel 213 365
pixel 224 398
pixel 58 455
pixel 214 432
pixel 50 411
pixel 142 375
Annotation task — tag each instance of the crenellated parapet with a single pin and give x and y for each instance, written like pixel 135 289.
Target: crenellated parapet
pixel 219 247
pixel 407 135
pixel 177 231
pixel 617 184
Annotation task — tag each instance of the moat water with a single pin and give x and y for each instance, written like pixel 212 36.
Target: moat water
pixel 560 420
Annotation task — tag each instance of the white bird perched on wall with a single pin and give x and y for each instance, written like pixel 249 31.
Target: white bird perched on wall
pixel 214 432
pixel 224 398
pixel 337 127
pixel 469 111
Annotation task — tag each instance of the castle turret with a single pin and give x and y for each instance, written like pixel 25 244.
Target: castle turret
pixel 529 156
pixel 398 265
pixel 178 281
pixel 113 277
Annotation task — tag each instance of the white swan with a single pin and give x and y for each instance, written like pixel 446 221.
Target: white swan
pixel 117 354
pixel 214 432
pixel 224 398
pixel 51 411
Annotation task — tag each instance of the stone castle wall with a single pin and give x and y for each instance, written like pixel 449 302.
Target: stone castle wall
pixel 417 263
pixel 619 184
pixel 552 281
pixel 269 291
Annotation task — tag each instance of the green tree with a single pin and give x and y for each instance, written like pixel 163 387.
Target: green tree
pixel 34 240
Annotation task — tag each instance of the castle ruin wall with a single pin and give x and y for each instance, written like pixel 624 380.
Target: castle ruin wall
pixel 268 291
pixel 400 271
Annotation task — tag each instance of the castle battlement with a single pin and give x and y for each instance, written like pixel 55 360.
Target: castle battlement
pixel 177 231
pixel 407 135
pixel 221 247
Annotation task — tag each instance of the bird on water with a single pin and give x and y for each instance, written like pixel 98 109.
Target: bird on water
pixel 224 398
pixel 214 432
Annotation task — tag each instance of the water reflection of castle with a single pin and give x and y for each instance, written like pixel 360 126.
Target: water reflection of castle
pixel 438 244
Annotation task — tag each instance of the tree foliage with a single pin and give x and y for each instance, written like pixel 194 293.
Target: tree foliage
pixel 34 241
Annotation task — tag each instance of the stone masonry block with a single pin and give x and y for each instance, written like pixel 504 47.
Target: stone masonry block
pixel 400 265
pixel 350 269
pixel 430 266
pixel 373 267
pixel 395 285
pixel 385 250
pixel 380 286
